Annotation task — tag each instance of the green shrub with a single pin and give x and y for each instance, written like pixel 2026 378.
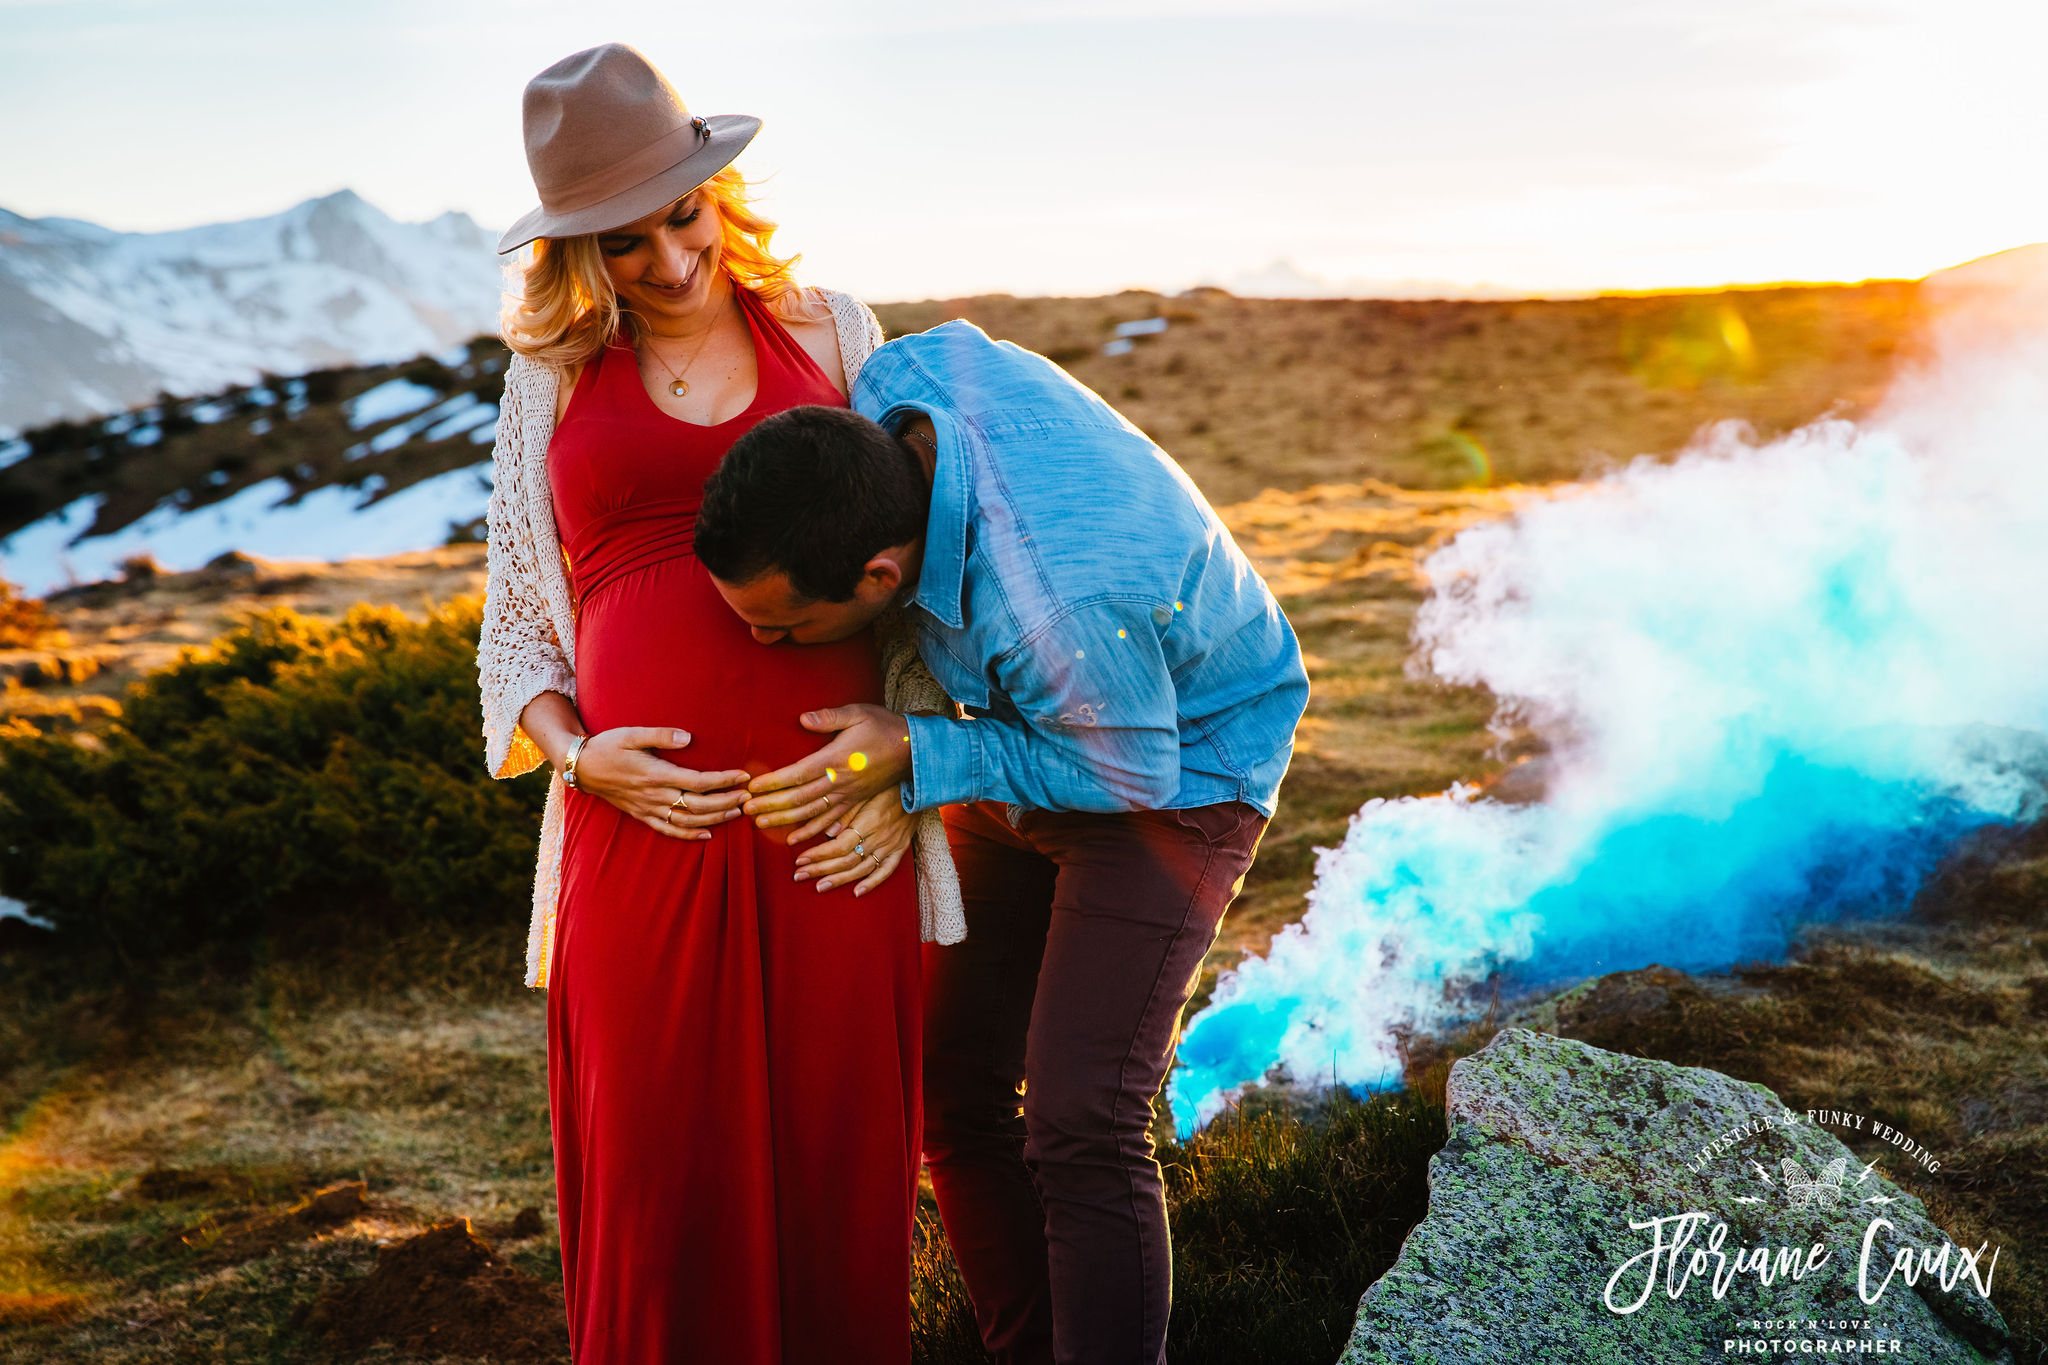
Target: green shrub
pixel 293 770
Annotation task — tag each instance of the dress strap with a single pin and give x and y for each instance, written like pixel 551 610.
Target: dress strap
pixel 593 375
pixel 776 350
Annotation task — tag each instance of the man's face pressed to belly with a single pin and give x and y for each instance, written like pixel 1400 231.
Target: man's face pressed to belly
pixel 776 614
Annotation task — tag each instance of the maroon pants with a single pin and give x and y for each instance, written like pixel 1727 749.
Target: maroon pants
pixel 1047 1034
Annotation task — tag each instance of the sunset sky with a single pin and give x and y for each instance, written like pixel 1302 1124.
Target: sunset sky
pixel 919 148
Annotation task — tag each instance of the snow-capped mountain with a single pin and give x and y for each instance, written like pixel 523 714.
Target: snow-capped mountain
pixel 336 464
pixel 95 321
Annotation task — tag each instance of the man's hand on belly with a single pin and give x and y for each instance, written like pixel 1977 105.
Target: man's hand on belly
pixel 871 753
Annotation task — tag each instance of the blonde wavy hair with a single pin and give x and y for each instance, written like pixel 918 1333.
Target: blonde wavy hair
pixel 560 307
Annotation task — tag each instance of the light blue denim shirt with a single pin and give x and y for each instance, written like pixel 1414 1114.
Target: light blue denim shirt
pixel 1112 647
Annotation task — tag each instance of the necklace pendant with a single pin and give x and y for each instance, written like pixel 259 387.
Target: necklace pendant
pixel 680 387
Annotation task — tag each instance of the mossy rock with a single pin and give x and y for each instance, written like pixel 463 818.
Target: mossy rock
pixel 1556 1147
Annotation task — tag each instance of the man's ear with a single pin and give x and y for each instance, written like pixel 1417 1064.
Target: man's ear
pixel 883 574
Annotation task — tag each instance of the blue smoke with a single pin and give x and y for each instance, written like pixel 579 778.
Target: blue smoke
pixel 1777 684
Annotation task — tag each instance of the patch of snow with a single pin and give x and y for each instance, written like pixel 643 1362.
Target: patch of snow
pixel 392 438
pixel 261 397
pixel 37 558
pixel 145 436
pixel 334 522
pixel 211 412
pixel 485 433
pixel 1120 346
pixel 1142 327
pixel 260 427
pixel 392 398
pixel 10 908
pixel 15 449
pixel 118 425
pixel 460 416
pixel 455 355
pixel 461 413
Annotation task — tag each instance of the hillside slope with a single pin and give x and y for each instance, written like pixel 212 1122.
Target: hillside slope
pixel 1248 394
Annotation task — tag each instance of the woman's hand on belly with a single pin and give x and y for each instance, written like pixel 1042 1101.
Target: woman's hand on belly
pixel 620 766
pixel 866 847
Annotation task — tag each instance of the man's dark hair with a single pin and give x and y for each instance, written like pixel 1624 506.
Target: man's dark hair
pixel 814 492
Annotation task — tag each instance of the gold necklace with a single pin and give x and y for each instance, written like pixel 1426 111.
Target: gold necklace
pixel 678 385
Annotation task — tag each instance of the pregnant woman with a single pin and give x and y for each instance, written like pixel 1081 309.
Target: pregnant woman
pixel 733 1012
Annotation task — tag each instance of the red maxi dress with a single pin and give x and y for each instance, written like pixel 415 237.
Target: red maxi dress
pixel 733 1057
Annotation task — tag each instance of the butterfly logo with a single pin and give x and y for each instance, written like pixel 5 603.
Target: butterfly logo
pixel 1805 1191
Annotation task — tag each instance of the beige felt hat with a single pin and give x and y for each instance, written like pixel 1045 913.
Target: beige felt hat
pixel 609 140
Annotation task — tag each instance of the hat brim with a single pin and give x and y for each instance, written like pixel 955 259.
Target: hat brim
pixel 730 134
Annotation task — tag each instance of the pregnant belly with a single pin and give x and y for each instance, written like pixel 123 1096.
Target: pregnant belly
pixel 660 647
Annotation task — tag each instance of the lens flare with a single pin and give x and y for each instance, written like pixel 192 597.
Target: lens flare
pixel 1735 336
pixel 1466 444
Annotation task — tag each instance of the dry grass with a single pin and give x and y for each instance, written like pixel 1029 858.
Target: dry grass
pixel 1251 394
pixel 432 1092
pixel 414 1067
pixel 104 636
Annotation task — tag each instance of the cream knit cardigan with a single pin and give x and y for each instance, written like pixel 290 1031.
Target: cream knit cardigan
pixel 528 645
